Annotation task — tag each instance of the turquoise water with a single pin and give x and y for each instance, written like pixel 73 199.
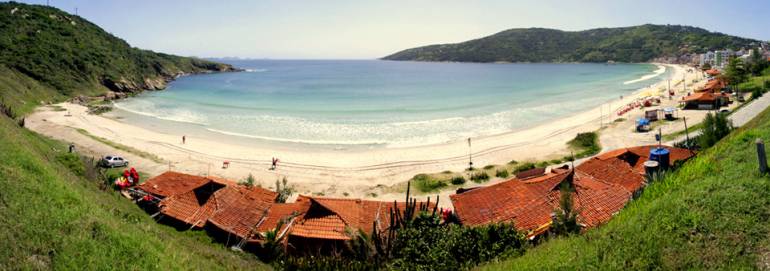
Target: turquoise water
pixel 382 103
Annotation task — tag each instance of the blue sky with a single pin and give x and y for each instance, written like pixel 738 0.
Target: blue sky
pixel 330 29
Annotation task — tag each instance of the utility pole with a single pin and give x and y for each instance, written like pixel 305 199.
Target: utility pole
pixel 684 83
pixel 601 115
pixel 686 132
pixel 470 155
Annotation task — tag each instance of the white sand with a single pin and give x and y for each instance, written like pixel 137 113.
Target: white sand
pixel 355 172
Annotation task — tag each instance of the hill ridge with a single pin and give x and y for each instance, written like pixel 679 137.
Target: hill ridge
pixel 641 43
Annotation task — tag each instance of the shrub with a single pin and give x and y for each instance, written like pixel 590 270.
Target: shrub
pixel 586 144
pixel 756 93
pixel 72 162
pixel 513 162
pixel 555 161
pixel 425 183
pixel 489 166
pixel 501 173
pixel 523 167
pixel 542 164
pixel 479 177
pixel 767 85
pixel 249 182
pixel 458 180
pixel 284 192
pixel 715 127
pixel 451 247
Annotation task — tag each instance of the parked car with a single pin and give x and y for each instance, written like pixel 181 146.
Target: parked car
pixel 113 161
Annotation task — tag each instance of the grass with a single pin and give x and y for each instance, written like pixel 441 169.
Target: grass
pixel 427 183
pixel 585 144
pixel 122 147
pixel 52 218
pixel 710 214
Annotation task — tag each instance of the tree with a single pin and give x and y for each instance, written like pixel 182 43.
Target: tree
pixel 715 127
pixel 565 218
pixel 736 71
pixel 284 192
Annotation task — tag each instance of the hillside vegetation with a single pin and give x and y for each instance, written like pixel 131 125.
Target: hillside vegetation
pixel 625 44
pixel 53 218
pixel 713 213
pixel 47 55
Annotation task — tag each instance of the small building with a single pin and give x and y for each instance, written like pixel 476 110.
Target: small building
pixel 705 100
pixel 195 207
pixel 529 204
pixel 170 183
pixel 636 156
pixel 330 222
pixel 246 223
pixel 602 185
pixel 712 72
pixel 713 85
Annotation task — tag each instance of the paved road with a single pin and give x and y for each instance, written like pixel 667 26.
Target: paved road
pixel 751 110
pixel 739 117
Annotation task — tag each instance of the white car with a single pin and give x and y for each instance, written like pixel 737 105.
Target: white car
pixel 113 161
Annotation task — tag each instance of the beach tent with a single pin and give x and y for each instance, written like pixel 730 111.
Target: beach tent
pixel 668 112
pixel 642 125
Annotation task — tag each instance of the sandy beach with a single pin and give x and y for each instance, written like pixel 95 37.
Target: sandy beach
pixel 356 173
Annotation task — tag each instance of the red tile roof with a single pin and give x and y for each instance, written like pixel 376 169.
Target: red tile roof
pixel 172 183
pixel 713 72
pixel 193 207
pixel 636 156
pixel 240 209
pixel 613 170
pixel 701 97
pixel 332 219
pixel 280 211
pixel 529 204
pixel 232 207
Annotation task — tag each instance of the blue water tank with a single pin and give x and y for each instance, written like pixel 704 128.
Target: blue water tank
pixel 661 155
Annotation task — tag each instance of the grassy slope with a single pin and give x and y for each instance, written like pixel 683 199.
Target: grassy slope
pixel 51 218
pixel 714 213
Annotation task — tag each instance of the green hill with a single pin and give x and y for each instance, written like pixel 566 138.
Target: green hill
pixel 47 54
pixel 626 44
pixel 51 215
pixel 713 213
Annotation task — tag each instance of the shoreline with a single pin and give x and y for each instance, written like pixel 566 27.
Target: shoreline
pixel 354 172
pixel 175 125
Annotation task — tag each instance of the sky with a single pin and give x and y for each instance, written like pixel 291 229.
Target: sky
pixel 332 29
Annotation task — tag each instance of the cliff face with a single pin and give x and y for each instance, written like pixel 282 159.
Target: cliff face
pixel 70 56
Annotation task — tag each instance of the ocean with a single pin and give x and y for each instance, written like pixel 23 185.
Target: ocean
pixel 373 103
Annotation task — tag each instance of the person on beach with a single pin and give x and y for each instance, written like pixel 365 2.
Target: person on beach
pixel 184 138
pixel 275 163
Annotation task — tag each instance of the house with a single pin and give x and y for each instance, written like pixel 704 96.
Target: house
pixel 636 156
pixel 530 204
pixel 713 85
pixel 247 222
pixel 196 207
pixel 329 222
pixel 712 72
pixel 170 183
pixel 705 100
pixel 602 185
